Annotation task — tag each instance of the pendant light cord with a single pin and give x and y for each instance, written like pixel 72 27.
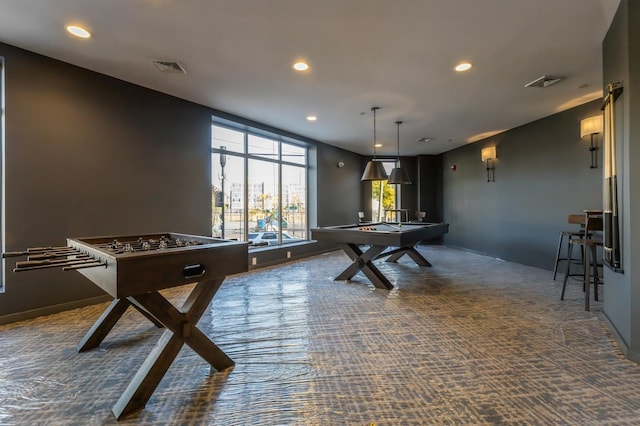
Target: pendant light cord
pixel 374 109
pixel 398 152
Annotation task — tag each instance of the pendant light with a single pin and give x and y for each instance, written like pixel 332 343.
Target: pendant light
pixel 375 169
pixel 398 174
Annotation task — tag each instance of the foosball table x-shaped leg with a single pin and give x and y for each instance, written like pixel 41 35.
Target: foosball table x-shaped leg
pixel 363 261
pixel 108 320
pixel 181 329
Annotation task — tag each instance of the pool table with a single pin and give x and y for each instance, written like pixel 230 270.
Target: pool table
pixel 379 236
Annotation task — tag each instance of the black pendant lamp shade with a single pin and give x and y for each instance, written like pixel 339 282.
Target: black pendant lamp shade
pixel 374 169
pixel 398 175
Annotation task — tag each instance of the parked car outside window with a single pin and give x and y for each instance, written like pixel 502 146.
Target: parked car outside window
pixel 269 238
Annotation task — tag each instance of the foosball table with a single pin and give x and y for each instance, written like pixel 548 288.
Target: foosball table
pixel 132 269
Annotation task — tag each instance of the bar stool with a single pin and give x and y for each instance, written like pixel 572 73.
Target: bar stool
pixel 589 247
pixel 420 216
pixel 576 219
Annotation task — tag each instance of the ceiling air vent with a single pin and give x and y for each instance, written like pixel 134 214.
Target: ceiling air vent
pixel 171 67
pixel 544 81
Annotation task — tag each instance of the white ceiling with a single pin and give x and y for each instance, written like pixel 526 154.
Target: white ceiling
pixel 398 55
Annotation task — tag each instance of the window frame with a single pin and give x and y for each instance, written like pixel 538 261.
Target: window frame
pixel 389 164
pixel 2 172
pixel 280 139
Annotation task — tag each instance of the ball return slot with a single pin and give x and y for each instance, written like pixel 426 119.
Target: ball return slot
pixel 193 271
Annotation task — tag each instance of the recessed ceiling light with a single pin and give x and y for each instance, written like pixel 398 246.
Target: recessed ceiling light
pixel 300 66
pixel 311 118
pixel 423 140
pixel 378 145
pixel 463 67
pixel 78 31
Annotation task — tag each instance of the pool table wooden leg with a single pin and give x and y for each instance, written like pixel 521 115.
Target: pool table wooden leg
pixel 362 261
pixel 412 253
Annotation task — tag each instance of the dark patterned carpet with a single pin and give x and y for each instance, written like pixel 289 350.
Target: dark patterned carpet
pixel 472 340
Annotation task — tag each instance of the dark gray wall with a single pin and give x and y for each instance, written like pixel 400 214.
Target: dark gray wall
pixel 91 155
pixel 339 187
pixel 409 192
pixel 429 187
pixel 621 58
pixel 542 175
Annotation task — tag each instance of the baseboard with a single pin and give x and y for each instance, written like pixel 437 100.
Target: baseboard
pixel 263 263
pixel 49 310
pixel 629 353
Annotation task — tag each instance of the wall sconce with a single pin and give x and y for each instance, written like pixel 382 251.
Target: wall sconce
pixel 340 164
pixel 489 155
pixel 591 126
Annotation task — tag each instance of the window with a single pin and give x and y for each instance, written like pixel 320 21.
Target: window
pixel 389 200
pixel 2 171
pixel 259 186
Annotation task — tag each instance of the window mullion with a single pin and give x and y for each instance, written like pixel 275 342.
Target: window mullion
pixel 280 210
pixel 246 187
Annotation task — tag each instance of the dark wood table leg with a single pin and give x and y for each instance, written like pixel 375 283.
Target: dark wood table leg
pixel 412 253
pixel 149 375
pixel 145 313
pixel 181 329
pixel 103 325
pixel 596 277
pixel 586 278
pixel 363 261
pixel 183 322
pixel 101 328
